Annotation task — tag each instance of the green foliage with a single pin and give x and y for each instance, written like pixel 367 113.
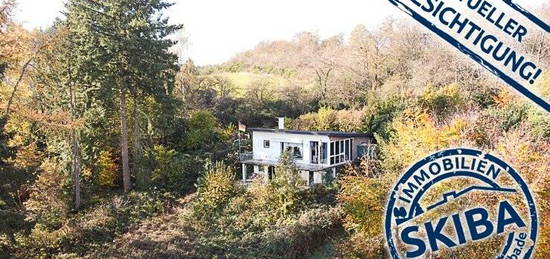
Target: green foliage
pixel 49 202
pixel 540 120
pixel 510 115
pixel 483 96
pixel 275 219
pixel 172 171
pixel 375 82
pixel 202 130
pixel 380 113
pixel 441 102
pixel 92 227
pixel 214 190
pixel 283 194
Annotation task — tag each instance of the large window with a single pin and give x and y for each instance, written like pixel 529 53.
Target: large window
pixel 340 151
pixel 318 152
pixel 295 149
pixel 314 146
pixel 324 152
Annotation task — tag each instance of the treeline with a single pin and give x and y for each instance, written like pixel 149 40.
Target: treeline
pixel 395 60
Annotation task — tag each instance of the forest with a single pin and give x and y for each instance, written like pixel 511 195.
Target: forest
pixel 113 146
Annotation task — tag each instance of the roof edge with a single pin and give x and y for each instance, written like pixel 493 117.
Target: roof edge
pixel 308 132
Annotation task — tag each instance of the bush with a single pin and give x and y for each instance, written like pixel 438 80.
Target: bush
pixel 92 227
pixel 49 199
pixel 441 102
pixel 108 169
pixel 416 134
pixel 171 171
pixel 214 191
pixel 327 119
pixel 268 220
pixel 380 113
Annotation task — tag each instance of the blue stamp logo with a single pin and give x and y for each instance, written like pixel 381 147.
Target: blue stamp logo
pixel 457 198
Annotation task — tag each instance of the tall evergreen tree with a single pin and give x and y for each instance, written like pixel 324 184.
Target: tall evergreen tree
pixel 123 46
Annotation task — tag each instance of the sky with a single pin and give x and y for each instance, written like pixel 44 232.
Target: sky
pixel 217 30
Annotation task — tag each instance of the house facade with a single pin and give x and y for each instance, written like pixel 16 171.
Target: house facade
pixel 317 154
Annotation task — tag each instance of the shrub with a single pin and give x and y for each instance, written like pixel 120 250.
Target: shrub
pixel 363 198
pixel 282 194
pixel 416 134
pixel 215 189
pixel 93 226
pixel 49 201
pixel 441 102
pixel 483 96
pixel 327 119
pixel 380 113
pixel 170 171
pixel 108 169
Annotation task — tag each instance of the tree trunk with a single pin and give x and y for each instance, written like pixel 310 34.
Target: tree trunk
pixel 77 168
pixel 136 148
pixel 124 140
pixel 75 148
pixel 12 95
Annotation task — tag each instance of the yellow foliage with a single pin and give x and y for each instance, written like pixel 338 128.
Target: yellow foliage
pixel 48 201
pixel 416 134
pixel 108 169
pixel 442 101
pixel 27 157
pixel 530 157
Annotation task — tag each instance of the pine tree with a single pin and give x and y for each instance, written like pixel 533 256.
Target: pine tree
pixel 123 47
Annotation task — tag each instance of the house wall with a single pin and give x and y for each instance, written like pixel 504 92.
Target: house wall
pixel 274 151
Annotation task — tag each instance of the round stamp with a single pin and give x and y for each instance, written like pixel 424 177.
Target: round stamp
pixel 458 198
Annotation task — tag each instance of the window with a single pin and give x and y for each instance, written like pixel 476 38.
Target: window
pixel 311 178
pixel 324 153
pixel 319 152
pixel 340 151
pixel 314 145
pixel 266 143
pixel 295 149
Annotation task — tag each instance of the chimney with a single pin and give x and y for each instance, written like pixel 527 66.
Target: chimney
pixel 281 123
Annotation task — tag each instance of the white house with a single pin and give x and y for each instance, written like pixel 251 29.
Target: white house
pixel 317 154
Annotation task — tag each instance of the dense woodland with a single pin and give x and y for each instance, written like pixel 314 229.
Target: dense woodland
pixel 110 146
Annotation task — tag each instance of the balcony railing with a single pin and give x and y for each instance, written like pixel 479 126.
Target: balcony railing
pixel 243 156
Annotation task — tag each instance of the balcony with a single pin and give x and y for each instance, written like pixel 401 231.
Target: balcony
pixel 244 156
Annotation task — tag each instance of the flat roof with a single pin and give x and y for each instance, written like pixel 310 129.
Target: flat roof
pixel 322 133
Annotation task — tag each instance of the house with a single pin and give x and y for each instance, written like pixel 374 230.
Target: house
pixel 317 154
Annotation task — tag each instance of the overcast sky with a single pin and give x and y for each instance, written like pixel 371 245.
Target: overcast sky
pixel 219 29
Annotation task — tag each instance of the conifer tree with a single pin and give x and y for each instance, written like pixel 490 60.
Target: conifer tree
pixel 123 47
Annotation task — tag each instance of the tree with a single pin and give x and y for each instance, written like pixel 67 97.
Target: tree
pixel 62 91
pixel 6 7
pixel 123 47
